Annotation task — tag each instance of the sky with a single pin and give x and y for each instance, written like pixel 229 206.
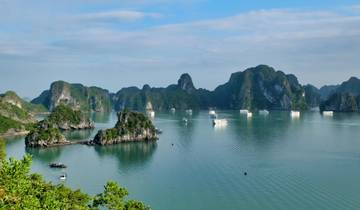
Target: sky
pixel 120 43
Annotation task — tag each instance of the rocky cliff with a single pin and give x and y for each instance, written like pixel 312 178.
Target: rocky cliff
pixel 65 118
pixel 76 96
pixel 345 98
pixel 131 126
pixel 16 115
pixel 45 134
pixel 180 96
pixel 260 87
pixel 256 88
pixel 312 96
pixel 340 102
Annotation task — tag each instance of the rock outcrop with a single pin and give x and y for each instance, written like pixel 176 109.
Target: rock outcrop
pixel 76 96
pixel 312 96
pixel 340 102
pixel 45 134
pixel 65 118
pixel 260 88
pixel 131 126
pixel 345 98
pixel 16 115
pixel 256 88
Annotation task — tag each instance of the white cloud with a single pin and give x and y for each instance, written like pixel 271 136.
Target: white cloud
pixel 308 43
pixel 119 15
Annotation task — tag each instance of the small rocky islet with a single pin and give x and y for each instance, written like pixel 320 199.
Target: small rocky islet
pixel 257 88
pixel 131 126
pixel 47 132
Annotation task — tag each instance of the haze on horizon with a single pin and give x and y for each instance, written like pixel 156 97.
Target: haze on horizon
pixel 114 44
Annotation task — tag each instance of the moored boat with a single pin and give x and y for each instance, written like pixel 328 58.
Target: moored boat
pixel 244 111
pixel 295 114
pixel 57 165
pixel 328 113
pixel 220 122
pixel 264 112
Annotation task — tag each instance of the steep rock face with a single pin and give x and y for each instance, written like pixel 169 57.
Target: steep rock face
pixel 181 96
pixel 131 126
pixel 12 98
pixel 260 88
pixel 45 134
pixel 344 98
pixel 351 86
pixel 340 102
pixel 312 96
pixel 185 83
pixel 75 95
pixel 65 118
pixel 256 88
pixel 327 90
pixel 10 127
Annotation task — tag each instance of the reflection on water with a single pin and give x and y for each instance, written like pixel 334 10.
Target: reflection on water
pixel 308 163
pixel 129 155
pixel 45 155
pixel 100 117
pixel 262 128
pixel 78 134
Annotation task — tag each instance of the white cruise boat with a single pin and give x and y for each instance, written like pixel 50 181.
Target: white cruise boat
pixel 328 113
pixel 244 111
pixel 264 112
pixel 295 114
pixel 220 122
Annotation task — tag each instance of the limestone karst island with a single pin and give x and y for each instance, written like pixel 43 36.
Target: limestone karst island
pixel 173 105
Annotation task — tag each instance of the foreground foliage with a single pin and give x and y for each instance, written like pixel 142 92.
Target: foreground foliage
pixel 19 189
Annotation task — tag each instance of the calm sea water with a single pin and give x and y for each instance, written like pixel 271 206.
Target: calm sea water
pixel 307 163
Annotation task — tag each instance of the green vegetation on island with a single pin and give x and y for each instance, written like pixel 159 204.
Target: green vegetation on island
pixel 12 98
pixel 47 132
pixel 256 88
pixel 65 118
pixel 16 115
pixel 76 96
pixel 131 126
pixel 344 98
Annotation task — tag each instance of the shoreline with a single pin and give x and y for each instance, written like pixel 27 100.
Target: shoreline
pixel 14 134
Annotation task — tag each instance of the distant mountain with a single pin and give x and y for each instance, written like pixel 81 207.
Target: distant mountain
pixel 16 114
pixel 260 88
pixel 76 96
pixel 327 90
pixel 12 98
pixel 312 96
pixel 182 95
pixel 345 98
pixel 256 88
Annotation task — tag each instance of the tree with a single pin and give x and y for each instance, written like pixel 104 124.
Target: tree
pixel 19 189
pixel 113 199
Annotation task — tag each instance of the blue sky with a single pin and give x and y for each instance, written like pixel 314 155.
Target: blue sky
pixel 114 44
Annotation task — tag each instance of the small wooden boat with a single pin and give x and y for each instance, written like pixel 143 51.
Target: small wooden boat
pixel 63 176
pixel 57 165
